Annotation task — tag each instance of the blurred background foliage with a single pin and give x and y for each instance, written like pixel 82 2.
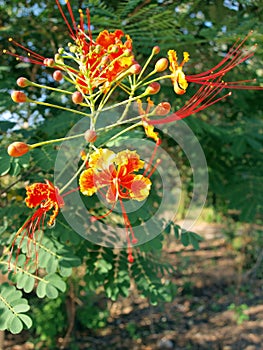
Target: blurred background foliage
pixel 231 132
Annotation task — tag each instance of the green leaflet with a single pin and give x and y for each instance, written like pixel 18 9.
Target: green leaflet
pixel 13 306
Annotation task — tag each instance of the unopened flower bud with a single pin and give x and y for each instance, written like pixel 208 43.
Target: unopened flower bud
pixel 90 136
pixel 127 53
pixel 73 49
pixel 135 69
pixel 49 62
pixel 163 108
pixel 155 50
pixel 130 258
pixel 57 75
pixel 114 49
pixel 161 65
pixel 104 60
pixel 97 49
pixel 58 59
pixel 23 82
pixel 19 96
pixel 61 50
pixel 153 88
pixel 83 59
pixel 77 97
pixel 18 149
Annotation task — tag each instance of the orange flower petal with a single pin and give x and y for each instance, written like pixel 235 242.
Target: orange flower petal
pixel 101 158
pixel 130 160
pixel 140 188
pixel 87 182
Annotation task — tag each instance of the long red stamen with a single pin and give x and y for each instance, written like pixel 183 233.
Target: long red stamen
pixel 95 218
pixel 233 50
pixel 72 16
pixel 69 192
pixel 204 98
pixel 35 59
pixel 89 26
pixel 157 163
pixel 152 158
pixel 65 19
pixel 36 222
pixel 235 57
pixel 34 54
pixel 81 20
pixel 129 230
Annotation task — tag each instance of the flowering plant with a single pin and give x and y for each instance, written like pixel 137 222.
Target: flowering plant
pixel 99 71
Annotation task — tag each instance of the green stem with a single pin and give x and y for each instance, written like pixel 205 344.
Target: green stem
pixel 75 176
pixel 122 123
pixel 50 88
pixel 123 131
pixel 43 143
pixel 155 79
pixel 4 301
pixel 59 107
pixel 124 102
pixel 145 66
pixel 24 271
pixel 127 105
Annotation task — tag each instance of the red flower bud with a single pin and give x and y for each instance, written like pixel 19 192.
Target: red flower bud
pixel 23 82
pixel 127 53
pixel 97 49
pixel 162 108
pixel 49 62
pixel 153 88
pixel 19 96
pixel 130 258
pixel 155 50
pixel 77 97
pixel 90 136
pixel 104 60
pixel 161 65
pixel 135 69
pixel 57 75
pixel 114 49
pixel 18 149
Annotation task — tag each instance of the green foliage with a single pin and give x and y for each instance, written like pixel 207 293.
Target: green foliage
pixel 246 241
pixel 239 312
pixel 49 320
pixel 185 237
pixel 93 312
pixel 13 308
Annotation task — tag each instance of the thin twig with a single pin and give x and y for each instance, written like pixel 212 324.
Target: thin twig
pixel 71 311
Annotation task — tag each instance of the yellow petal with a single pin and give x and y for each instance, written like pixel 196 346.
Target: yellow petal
pixel 140 188
pixel 101 158
pixel 86 182
pixel 129 159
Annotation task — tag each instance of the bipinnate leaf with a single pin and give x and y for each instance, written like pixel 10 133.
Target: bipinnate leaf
pixel 13 307
pixel 50 285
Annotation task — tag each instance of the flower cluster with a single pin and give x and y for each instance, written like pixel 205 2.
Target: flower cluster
pixel 96 68
pixel 45 197
pixel 116 178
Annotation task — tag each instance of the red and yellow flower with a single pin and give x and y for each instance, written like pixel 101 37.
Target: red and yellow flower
pixel 213 76
pixel 102 60
pixel 45 197
pixel 148 128
pixel 116 177
pixel 116 174
pixel 178 77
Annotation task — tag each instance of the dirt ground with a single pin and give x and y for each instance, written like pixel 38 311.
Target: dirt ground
pixel 199 318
